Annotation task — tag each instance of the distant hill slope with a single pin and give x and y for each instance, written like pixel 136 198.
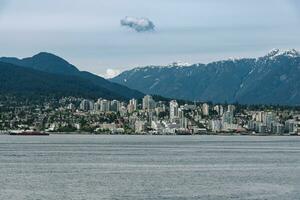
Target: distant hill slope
pixel 45 62
pixel 55 65
pixel 26 81
pixel 271 79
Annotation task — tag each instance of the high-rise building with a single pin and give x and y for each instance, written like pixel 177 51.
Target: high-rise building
pixel 291 126
pixel 104 105
pixel 140 126
pixel 205 109
pixel 259 116
pixel 228 117
pixel 132 106
pixel 97 106
pixel 277 128
pixel 215 125
pixel 216 108
pixel 261 128
pixel 173 110
pixel 148 103
pixel 231 108
pixel 160 107
pixel 115 106
pixel 122 110
pixel 86 105
pixel 183 121
pixel 219 109
pixel 71 106
pixel 269 118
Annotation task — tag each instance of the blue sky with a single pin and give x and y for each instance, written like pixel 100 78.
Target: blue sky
pixel 88 33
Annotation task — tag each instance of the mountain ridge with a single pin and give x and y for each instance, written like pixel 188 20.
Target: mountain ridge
pixel 55 65
pixel 26 81
pixel 270 79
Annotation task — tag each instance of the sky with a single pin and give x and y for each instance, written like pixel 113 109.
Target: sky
pixel 88 33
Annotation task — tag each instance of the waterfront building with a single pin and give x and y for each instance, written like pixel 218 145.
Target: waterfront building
pixel 291 126
pixel 183 121
pixel 268 119
pixel 157 126
pixel 140 126
pixel 261 128
pixel 215 125
pixel 230 127
pixel 228 117
pixel 277 128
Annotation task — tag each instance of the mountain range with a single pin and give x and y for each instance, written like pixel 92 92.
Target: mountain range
pixel 46 74
pixel 270 79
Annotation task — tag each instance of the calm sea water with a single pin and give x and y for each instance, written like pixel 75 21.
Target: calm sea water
pixel 80 167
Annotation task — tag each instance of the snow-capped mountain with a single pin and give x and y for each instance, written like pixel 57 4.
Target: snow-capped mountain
pixel 273 78
pixel 277 52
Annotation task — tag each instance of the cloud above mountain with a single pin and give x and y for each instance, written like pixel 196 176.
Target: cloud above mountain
pixel 138 24
pixel 110 73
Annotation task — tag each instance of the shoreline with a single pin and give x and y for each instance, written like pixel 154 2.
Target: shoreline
pixel 145 134
pixel 148 134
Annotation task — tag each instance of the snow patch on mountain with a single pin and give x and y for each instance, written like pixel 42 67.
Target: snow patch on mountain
pixel 277 52
pixel 179 64
pixel 272 55
pixel 154 84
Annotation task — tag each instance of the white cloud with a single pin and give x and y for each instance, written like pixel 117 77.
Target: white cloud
pixel 111 73
pixel 138 24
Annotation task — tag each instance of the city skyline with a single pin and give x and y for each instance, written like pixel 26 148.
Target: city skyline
pixel 90 36
pixel 147 116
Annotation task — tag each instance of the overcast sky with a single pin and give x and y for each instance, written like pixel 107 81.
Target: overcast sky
pixel 88 32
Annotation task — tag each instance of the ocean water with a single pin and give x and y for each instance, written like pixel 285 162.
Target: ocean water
pixel 77 167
